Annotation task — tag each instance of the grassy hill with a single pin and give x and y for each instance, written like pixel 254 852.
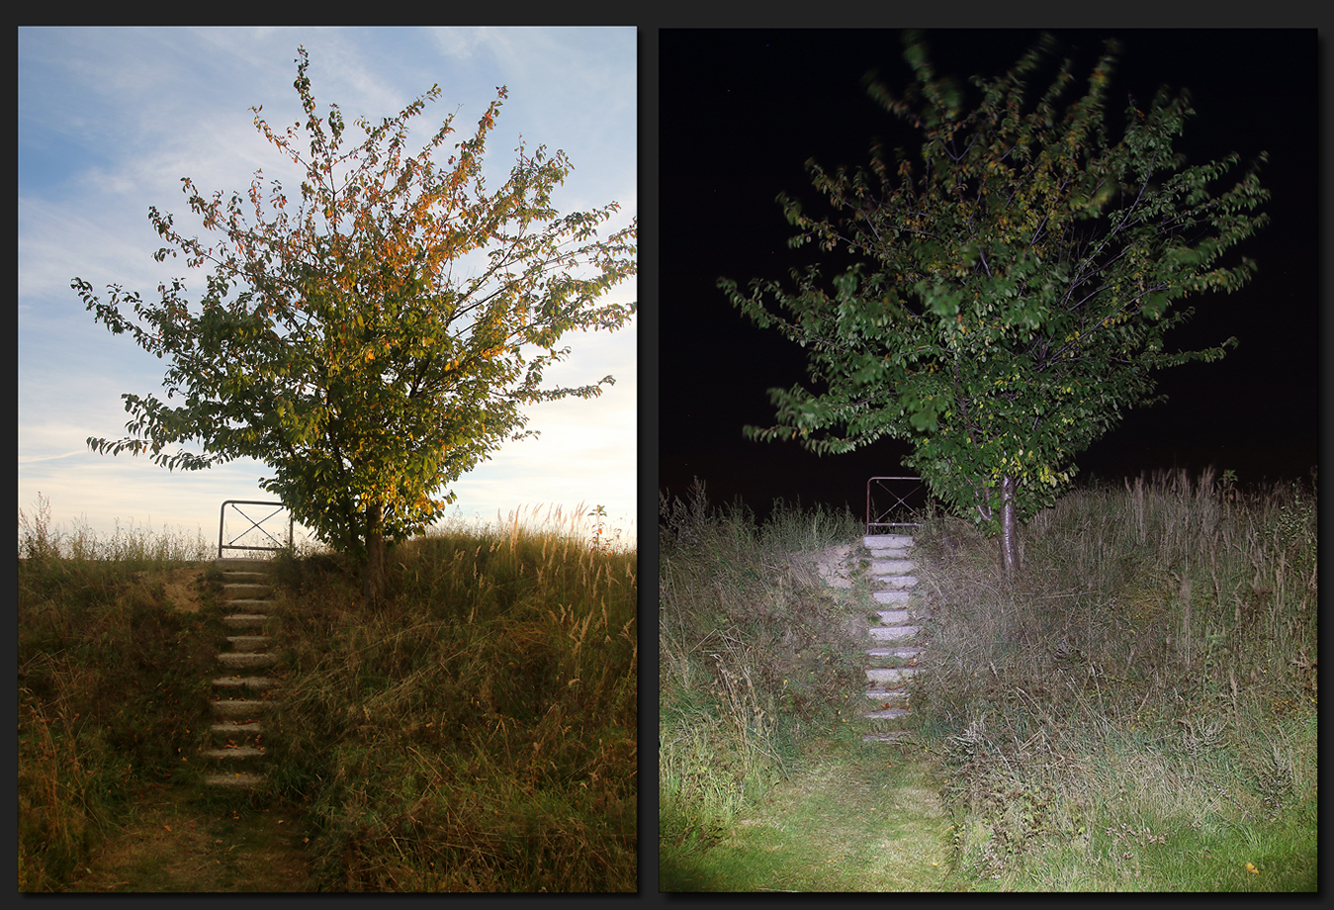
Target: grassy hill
pixel 476 732
pixel 1136 711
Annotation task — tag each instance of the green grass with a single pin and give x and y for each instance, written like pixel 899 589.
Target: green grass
pixel 475 732
pixel 1135 711
pixel 852 817
pixel 753 659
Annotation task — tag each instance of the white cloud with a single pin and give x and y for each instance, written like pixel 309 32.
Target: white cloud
pixel 111 119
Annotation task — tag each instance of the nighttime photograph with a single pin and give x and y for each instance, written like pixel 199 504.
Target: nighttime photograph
pixel 988 420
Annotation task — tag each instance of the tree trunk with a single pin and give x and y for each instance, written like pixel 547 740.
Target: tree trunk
pixel 372 580
pixel 1009 537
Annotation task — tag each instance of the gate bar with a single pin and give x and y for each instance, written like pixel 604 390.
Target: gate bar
pixel 254 525
pixel 899 501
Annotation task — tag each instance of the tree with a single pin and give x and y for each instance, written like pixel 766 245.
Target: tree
pixel 1009 292
pixel 338 345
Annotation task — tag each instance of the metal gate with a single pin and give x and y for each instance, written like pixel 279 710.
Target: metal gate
pixel 255 525
pixel 907 499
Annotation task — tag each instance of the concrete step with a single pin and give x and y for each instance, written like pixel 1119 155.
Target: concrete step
pixel 248 644
pixel 887 714
pixel 876 542
pixel 892 597
pixel 246 591
pixel 246 620
pixel 892 566
pixel 240 753
pixel 893 633
pixel 249 683
pixel 894 617
pixel 245 578
pixel 900 653
pixel 244 564
pixel 233 591
pixel 239 779
pixel 889 677
pixel 245 708
pixel 235 730
pixel 249 606
pixel 887 697
pixel 247 661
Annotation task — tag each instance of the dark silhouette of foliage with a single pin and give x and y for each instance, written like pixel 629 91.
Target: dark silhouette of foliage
pixel 1013 285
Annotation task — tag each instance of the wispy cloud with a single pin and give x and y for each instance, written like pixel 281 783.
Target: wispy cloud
pixel 111 119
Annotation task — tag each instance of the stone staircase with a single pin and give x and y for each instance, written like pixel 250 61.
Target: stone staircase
pixel 895 647
pixel 242 699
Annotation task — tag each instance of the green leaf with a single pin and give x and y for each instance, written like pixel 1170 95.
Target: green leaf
pixel 340 343
pixel 1012 281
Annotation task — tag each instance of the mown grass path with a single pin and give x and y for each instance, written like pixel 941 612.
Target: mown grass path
pixel 859 817
pixel 857 814
pixel 173 841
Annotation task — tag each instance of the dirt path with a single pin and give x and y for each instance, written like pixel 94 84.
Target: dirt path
pixel 172 840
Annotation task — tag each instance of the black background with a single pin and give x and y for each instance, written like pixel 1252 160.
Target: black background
pixel 740 111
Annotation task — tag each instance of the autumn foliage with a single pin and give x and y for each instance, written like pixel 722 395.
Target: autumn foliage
pixel 344 340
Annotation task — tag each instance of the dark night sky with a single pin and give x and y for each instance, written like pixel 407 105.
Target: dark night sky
pixel 741 111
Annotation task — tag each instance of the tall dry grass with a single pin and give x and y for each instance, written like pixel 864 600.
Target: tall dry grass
pixel 754 655
pixel 110 681
pixel 478 732
pixel 1135 711
pixel 1153 670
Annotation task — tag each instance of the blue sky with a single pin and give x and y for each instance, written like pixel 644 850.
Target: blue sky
pixel 109 121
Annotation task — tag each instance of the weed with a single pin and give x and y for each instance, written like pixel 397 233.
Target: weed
pixel 1135 711
pixel 476 732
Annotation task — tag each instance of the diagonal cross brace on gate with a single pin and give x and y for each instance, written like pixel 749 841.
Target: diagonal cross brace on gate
pixel 907 489
pixel 254 525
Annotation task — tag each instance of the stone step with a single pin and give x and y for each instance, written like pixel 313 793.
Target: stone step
pixel 240 780
pixel 240 753
pixel 250 606
pixel 248 643
pixel 876 542
pixel 246 591
pixel 244 564
pixel 246 578
pixel 900 653
pixel 234 591
pixel 233 730
pixel 245 661
pixel 253 683
pixel 241 707
pixel 891 568
pixel 894 617
pixel 889 675
pixel 887 714
pixel 893 633
pixel 892 597
pixel 246 620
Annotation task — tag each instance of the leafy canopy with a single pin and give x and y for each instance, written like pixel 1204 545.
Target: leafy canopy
pixel 345 342
pixel 1012 287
